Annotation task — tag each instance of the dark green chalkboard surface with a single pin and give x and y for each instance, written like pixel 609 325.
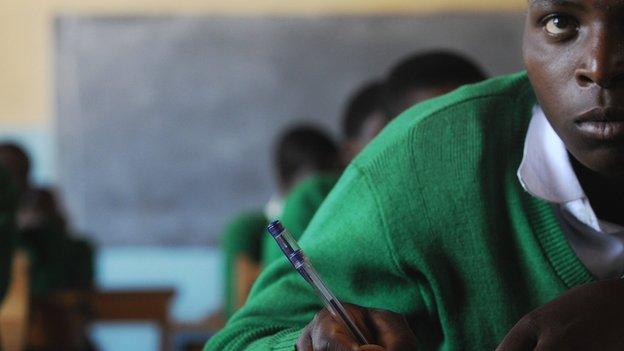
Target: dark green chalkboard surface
pixel 164 125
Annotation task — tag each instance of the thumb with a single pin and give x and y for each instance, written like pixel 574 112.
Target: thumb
pixel 393 331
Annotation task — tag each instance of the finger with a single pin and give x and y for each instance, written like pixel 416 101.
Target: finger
pixel 552 340
pixel 394 333
pixel 359 316
pixel 547 345
pixel 523 336
pixel 332 337
pixel 304 342
pixel 336 343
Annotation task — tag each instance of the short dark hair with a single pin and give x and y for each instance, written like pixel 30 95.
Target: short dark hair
pixel 428 70
pixel 304 148
pixel 15 157
pixel 362 105
pixel 45 201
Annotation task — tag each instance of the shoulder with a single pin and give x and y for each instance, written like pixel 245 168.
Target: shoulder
pixel 460 121
pixel 305 199
pixel 243 228
pixel 248 220
pixel 446 155
pixel 316 186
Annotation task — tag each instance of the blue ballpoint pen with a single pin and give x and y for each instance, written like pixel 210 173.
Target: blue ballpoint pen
pixel 301 263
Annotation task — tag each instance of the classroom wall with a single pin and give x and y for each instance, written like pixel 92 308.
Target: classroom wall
pixel 26 36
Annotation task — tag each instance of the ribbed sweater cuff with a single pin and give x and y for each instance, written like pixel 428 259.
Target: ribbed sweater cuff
pixel 285 340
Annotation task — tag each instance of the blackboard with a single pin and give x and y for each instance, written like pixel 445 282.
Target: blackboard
pixel 165 125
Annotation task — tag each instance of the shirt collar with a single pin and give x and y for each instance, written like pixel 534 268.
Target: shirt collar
pixel 274 207
pixel 546 171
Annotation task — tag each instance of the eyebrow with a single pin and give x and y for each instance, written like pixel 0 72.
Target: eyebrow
pixel 563 3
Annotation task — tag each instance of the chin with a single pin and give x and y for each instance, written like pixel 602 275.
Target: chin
pixel 605 162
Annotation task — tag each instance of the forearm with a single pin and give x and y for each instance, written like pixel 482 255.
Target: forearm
pixel 273 315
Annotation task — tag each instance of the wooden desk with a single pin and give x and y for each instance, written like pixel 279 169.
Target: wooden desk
pixel 62 316
pixel 134 305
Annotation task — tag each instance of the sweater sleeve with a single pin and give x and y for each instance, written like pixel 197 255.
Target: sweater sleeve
pixel 300 206
pixel 348 244
pixel 303 202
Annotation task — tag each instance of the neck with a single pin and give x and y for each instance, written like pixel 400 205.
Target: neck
pixel 605 194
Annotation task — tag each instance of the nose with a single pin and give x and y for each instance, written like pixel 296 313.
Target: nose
pixel 603 59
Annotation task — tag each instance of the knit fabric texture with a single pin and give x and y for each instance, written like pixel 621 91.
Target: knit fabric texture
pixel 300 206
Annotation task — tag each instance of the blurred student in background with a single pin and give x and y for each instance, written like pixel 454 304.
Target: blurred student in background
pixel 10 264
pixel 418 77
pixel 362 119
pixel 17 163
pixel 300 151
pixel 43 230
pixel 8 203
pixel 55 262
pixel 364 116
pixel 16 285
pixel 58 260
pixel 425 75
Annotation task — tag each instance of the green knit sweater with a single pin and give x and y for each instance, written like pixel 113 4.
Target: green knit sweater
pixel 431 222
pixel 300 206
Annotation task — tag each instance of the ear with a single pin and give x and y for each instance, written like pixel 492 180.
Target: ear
pixel 350 149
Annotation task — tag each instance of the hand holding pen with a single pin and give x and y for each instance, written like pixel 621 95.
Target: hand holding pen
pixel 298 259
pixel 335 327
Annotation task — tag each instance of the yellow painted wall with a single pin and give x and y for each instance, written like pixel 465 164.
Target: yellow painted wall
pixel 26 33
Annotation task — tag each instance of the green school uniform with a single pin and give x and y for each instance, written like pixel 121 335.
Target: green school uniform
pixel 79 263
pixel 300 206
pixel 429 221
pixel 243 235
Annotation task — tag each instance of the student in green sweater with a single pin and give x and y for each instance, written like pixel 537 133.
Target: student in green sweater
pixel 299 151
pixel 59 261
pixel 14 167
pixel 363 120
pixel 416 78
pixel 491 216
pixel 425 75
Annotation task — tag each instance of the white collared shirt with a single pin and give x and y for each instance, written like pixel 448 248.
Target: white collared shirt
pixel 546 173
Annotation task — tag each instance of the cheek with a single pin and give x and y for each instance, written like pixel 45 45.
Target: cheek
pixel 545 66
pixel 551 71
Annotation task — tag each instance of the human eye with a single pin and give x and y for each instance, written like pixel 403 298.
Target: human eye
pixel 560 26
